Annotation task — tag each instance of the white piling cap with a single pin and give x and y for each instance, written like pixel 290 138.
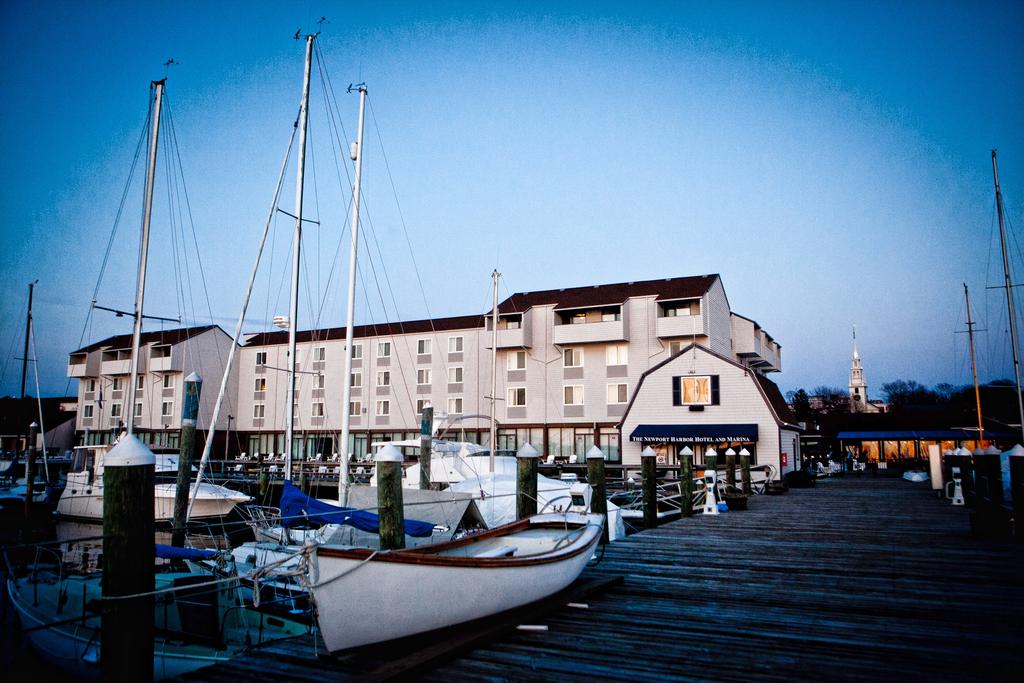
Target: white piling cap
pixel 711 451
pixel 947 452
pixel 527 451
pixel 978 451
pixel 595 453
pixel 1016 450
pixel 730 451
pixel 744 451
pixel 193 377
pixel 686 450
pixel 389 453
pixel 648 453
pixel 992 450
pixel 129 452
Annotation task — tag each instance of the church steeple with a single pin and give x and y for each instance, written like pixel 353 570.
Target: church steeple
pixel 858 387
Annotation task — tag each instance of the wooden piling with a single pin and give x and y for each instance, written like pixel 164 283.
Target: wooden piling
pixel 745 472
pixel 127 631
pixel 30 468
pixel 304 483
pixel 426 442
pixel 648 462
pixel 264 484
pixel 686 480
pixel 186 449
pixel 526 481
pixel 598 494
pixel 730 471
pixel 390 508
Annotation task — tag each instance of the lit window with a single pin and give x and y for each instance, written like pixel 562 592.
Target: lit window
pixel 694 390
pixel 422 346
pixel 261 358
pixel 573 395
pixel 617 393
pixel 572 358
pixel 423 376
pixel 261 385
pixel 384 378
pixel 455 405
pixel 383 349
pixel 383 407
pixel 578 318
pixel 455 375
pixel 454 344
pixel 517 360
pixel 516 396
pixel 616 354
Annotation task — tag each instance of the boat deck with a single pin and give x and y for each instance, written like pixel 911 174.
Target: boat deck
pixel 857 578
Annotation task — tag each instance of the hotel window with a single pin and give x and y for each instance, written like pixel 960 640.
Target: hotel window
pixel 578 318
pixel 608 316
pixel 318 409
pixel 87 410
pixel 168 381
pixel 420 403
pixel 674 348
pixel 695 391
pixel 140 382
pixel 383 407
pixel 319 354
pixel 422 346
pixel 258 411
pixel 675 309
pixel 118 384
pixel 423 376
pixel 115 410
pixel 573 395
pixel 356 380
pixel 383 349
pixel 384 378
pixel 90 385
pixel 455 375
pixel 516 396
pixel 617 393
pixel 455 405
pixel 261 385
pixel 319 381
pixel 517 360
pixel 355 407
pixel 138 410
pixel 616 354
pixel 454 344
pixel 512 323
pixel 261 358
pixel 357 351
pixel 167 408
pixel 572 358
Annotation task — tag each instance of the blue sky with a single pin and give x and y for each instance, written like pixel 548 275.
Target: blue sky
pixel 829 160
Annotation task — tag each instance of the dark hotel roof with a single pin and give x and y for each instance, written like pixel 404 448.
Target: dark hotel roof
pixel 665 289
pixel 123 341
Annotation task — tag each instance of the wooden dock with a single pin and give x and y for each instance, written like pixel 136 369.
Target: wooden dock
pixel 856 579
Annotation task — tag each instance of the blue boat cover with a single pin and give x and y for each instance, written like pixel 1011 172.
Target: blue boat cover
pixel 298 509
pixel 170 552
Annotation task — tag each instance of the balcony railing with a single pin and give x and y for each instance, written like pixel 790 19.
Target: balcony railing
pixel 680 326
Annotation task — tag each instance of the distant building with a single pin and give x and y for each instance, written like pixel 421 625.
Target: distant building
pixel 57 428
pixel 859 402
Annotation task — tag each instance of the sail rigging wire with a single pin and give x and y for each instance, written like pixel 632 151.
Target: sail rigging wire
pixel 10 351
pixel 241 320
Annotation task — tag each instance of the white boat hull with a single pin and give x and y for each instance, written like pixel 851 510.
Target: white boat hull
pixel 213 501
pixel 363 596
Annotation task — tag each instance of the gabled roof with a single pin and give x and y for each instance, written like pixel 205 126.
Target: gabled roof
pixel 768 389
pixel 599 295
pixel 464 322
pixel 123 341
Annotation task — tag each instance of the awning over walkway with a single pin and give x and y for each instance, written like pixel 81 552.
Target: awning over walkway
pixel 911 434
pixel 694 433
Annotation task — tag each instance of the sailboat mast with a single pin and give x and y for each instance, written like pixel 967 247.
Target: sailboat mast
pixel 974 366
pixel 293 304
pixel 28 335
pixel 1011 311
pixel 346 392
pixel 494 364
pixel 140 287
